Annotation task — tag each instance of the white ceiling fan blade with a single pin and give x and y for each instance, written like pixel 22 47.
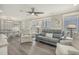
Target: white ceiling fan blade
pixel 32 12
pixel 39 12
pixel 36 14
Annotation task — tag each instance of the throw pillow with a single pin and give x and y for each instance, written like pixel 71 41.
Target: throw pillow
pixel 49 35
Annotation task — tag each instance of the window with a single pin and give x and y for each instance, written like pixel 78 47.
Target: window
pixel 47 23
pixel 78 24
pixel 71 20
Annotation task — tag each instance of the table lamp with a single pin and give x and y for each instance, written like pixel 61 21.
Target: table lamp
pixel 71 27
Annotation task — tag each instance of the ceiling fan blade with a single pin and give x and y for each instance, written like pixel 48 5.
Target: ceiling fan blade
pixel 36 14
pixel 39 12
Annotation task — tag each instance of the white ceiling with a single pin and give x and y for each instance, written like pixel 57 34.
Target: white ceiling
pixel 48 9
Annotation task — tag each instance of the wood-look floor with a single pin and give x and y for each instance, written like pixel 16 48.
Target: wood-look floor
pixel 29 48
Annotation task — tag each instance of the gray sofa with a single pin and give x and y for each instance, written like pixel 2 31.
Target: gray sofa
pixel 56 37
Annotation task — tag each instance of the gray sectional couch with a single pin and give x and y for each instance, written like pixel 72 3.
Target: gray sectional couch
pixel 56 36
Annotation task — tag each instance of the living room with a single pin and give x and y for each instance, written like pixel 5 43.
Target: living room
pixel 39 29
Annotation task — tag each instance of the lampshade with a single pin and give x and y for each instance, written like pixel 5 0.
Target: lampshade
pixel 71 26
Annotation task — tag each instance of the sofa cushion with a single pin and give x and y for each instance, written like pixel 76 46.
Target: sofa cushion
pixel 56 35
pixel 48 39
pixel 55 40
pixel 42 33
pixel 49 35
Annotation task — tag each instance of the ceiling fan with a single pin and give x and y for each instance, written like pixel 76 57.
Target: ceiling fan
pixel 33 12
